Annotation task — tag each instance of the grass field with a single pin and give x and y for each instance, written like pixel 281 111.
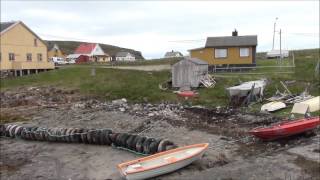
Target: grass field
pixel 138 86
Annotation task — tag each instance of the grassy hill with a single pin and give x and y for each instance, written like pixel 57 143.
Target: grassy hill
pixel 137 86
pixel 68 47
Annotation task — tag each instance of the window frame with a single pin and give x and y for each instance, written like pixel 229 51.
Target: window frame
pixel 227 53
pixel 29 55
pixel 244 48
pixel 39 57
pixel 12 57
pixel 35 42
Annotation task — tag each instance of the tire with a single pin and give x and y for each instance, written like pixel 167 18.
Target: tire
pixel 123 140
pixel 7 127
pixel 23 133
pixel 139 144
pixel 18 131
pixel 41 134
pixel 48 135
pixel 146 145
pixel 96 138
pixel 118 139
pixel 12 130
pixel 89 136
pixel 68 135
pixel 163 144
pixel 33 133
pixel 107 137
pixel 129 141
pixel 134 142
pixel 72 135
pixel 76 136
pixel 154 146
pixel 113 138
pixel 80 131
pixel 84 136
pixel 37 134
pixel 2 130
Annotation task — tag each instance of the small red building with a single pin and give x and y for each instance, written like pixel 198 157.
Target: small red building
pixel 82 59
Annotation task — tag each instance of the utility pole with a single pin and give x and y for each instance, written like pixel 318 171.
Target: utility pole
pixel 274 32
pixel 280 48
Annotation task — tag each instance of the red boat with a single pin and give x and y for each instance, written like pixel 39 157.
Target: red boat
pixel 286 129
pixel 187 93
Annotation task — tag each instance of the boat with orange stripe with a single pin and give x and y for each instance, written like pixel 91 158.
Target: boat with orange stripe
pixel 162 163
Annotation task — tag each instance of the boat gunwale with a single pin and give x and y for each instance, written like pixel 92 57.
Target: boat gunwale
pixel 120 166
pixel 282 125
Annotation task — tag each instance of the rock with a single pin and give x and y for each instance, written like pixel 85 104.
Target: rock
pixel 151 114
pixel 119 101
pixel 122 109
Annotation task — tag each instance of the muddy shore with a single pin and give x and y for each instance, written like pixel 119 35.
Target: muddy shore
pixel 233 154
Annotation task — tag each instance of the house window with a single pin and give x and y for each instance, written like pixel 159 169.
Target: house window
pixel 11 57
pixel 244 52
pixel 220 53
pixel 29 57
pixel 39 57
pixel 35 42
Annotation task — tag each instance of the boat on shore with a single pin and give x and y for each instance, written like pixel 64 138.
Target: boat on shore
pixel 273 106
pixel 162 163
pixel 243 89
pixel 286 129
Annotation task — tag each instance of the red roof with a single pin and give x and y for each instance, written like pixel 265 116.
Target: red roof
pixel 85 48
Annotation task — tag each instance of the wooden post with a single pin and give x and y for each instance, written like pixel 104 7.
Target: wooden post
pixel 93 71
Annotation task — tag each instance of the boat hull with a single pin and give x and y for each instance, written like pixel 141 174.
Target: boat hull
pixel 162 163
pixel 163 170
pixel 286 129
pixel 273 106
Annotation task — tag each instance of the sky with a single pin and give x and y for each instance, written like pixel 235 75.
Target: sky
pixel 155 27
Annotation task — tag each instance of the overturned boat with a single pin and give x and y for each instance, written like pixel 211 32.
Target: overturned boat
pixel 242 90
pixel 286 129
pixel 162 163
pixel 273 106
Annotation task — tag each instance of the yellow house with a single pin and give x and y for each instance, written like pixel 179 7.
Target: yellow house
pixel 228 50
pixel 22 51
pixel 54 51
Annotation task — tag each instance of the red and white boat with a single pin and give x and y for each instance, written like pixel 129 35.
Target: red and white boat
pixel 286 129
pixel 162 163
pixel 187 94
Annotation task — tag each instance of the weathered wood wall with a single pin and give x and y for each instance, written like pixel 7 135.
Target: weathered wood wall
pixel 187 73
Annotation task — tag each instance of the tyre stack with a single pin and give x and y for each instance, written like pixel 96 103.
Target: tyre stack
pixel 141 144
pixel 137 143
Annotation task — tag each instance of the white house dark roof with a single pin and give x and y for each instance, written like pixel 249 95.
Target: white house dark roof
pixel 173 54
pixel 123 54
pixel 228 41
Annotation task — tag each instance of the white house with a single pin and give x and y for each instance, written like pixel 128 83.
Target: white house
pixel 172 54
pixel 125 56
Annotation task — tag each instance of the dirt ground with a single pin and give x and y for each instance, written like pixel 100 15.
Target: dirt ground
pixel 233 154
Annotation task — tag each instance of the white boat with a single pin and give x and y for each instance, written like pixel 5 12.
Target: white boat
pixel 244 88
pixel 310 105
pixel 162 163
pixel 273 106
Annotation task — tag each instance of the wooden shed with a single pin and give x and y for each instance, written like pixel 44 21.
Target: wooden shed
pixel 188 72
